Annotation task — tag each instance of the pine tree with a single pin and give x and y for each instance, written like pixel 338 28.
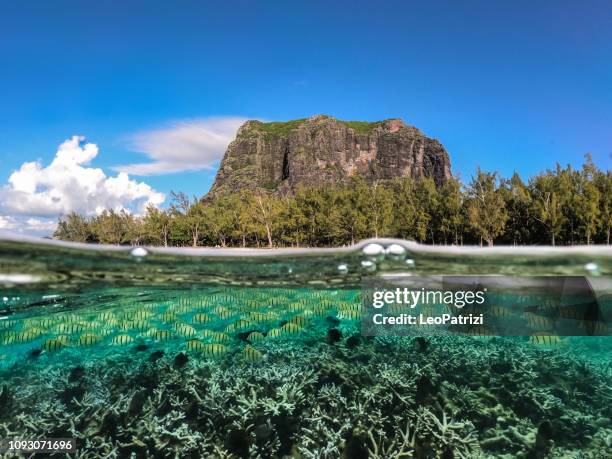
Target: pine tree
pixel 548 203
pixel 486 212
pixel 587 200
pixel 603 182
pixel 112 227
pixel 380 210
pixel 157 225
pixel 518 203
pixel 450 216
pixel 74 227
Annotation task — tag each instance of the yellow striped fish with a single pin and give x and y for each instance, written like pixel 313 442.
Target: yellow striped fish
pixel 500 311
pixel 139 325
pixel 44 322
pixel 255 337
pixel 168 317
pixel 88 339
pixel 70 319
pixel 349 315
pixel 213 349
pixel 195 345
pixel 52 345
pixel 201 318
pixel 572 312
pixel 185 330
pixel 122 340
pixel 295 307
pixel 111 322
pixel 6 324
pixel 278 301
pixel 105 316
pixel 21 337
pixel 223 313
pixel 161 335
pixel 240 324
pixel 297 320
pixel 537 322
pixel 290 328
pixel 142 314
pixel 546 340
pixel 316 311
pixel 251 354
pixel 274 333
pixel 348 306
pixel 180 309
pixel 94 325
pixel 215 336
pixel 259 317
pixel 69 327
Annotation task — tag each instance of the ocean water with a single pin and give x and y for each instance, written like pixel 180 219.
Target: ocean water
pixel 245 353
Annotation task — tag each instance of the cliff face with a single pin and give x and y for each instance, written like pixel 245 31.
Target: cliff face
pixel 322 150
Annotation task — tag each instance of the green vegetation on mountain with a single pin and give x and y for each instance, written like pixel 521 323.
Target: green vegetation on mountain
pixel 284 128
pixel 362 127
pixel 276 128
pixel 559 207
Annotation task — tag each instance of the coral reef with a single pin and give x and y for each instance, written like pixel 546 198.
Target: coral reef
pixel 373 397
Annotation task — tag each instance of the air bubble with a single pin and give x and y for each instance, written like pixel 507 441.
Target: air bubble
pixel 368 265
pixel 396 251
pixel 139 252
pixel 410 262
pixel 592 268
pixel 19 278
pixel 343 268
pixel 373 250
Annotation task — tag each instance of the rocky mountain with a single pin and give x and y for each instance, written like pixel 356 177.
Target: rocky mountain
pixel 282 156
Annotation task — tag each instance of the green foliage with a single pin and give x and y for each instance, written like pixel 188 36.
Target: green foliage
pixel 284 128
pixel 486 209
pixel 74 228
pixel 519 202
pixel 362 127
pixel 277 128
pixel 563 206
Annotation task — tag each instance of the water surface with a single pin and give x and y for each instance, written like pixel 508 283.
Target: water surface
pixel 247 353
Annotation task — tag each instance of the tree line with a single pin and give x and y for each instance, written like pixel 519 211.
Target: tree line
pixel 557 207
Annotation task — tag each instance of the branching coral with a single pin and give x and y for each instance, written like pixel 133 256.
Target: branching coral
pixel 396 448
pixel 382 398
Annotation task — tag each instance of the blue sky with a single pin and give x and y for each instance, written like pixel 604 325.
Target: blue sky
pixel 503 85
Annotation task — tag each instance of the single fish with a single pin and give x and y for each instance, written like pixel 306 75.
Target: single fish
pixel 255 337
pixel 122 340
pixel 251 354
pixel 88 339
pixel 291 328
pixel 546 340
pixel 537 322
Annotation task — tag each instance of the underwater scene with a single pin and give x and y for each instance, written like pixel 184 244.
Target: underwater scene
pixel 260 354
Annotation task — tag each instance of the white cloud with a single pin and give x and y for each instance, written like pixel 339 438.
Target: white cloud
pixel 36 195
pixel 7 223
pixel 28 225
pixel 40 225
pixel 187 145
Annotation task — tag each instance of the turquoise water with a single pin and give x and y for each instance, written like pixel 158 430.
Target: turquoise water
pixel 220 353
